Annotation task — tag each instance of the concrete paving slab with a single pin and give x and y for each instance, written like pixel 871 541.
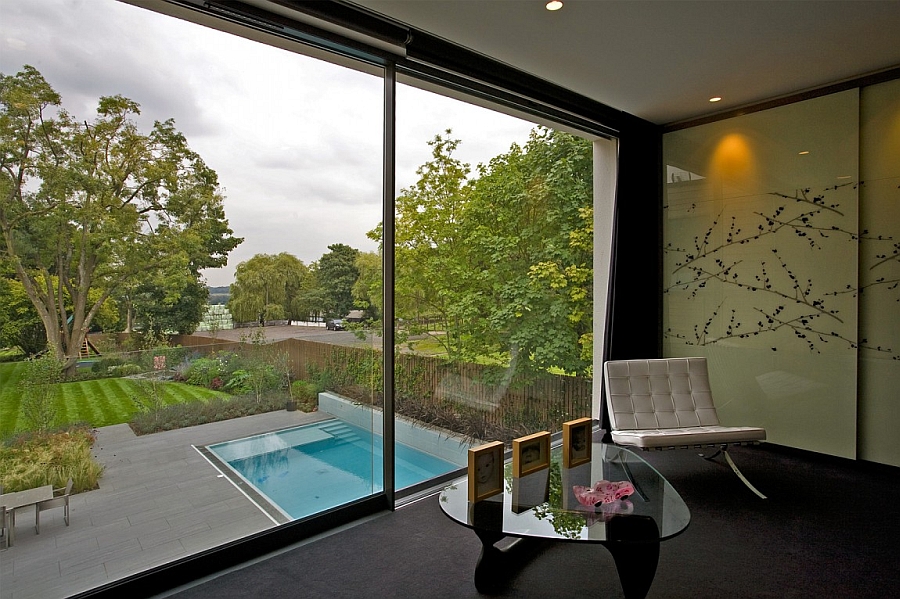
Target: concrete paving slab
pixel 159 500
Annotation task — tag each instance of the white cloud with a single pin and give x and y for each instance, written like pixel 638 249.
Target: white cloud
pixel 296 142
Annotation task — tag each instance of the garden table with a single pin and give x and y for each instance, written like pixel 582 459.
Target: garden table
pixel 20 499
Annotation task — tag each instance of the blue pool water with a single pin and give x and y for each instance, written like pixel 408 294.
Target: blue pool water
pixel 315 467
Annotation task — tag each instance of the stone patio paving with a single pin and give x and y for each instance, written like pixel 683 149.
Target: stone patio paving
pixel 159 500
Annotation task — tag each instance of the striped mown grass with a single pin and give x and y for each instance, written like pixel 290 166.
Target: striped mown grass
pixel 101 402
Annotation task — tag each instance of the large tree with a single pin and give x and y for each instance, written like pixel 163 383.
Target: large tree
pixel 529 232
pixel 500 264
pixel 337 273
pixel 266 287
pixel 98 205
pixel 432 286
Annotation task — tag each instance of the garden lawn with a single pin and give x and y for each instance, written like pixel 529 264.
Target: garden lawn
pixel 100 402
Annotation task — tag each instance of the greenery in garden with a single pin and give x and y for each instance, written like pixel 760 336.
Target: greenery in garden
pixel 100 207
pixel 107 226
pixel 501 263
pixel 494 266
pixel 272 287
pixel 100 402
pixel 50 458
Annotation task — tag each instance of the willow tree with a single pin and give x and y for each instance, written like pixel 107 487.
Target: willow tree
pixel 266 287
pixel 98 205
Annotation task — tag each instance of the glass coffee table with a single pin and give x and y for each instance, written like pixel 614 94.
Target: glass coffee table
pixel 543 505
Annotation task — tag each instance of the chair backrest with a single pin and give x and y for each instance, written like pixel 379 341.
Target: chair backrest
pixel 69 486
pixel 659 394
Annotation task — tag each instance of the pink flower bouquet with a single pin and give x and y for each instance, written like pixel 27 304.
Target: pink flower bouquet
pixel 602 492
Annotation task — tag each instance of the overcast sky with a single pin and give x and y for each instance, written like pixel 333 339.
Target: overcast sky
pixel 296 141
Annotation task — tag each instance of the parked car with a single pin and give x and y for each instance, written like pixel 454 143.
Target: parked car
pixel 334 325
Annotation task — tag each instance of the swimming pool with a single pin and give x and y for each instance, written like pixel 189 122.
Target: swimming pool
pixel 311 468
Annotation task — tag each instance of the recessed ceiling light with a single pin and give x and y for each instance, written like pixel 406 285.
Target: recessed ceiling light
pixel 804 152
pixel 715 99
pixel 554 5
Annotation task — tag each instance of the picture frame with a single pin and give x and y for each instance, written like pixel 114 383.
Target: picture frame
pixel 531 453
pixel 576 442
pixel 485 471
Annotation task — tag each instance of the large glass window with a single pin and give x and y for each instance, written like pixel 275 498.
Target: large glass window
pixel 231 380
pixel 222 375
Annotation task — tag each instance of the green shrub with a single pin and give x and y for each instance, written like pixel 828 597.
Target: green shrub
pixel 39 392
pixel 124 370
pixel 306 395
pixel 50 458
pixel 239 383
pixel 102 366
pixel 216 409
pixel 203 370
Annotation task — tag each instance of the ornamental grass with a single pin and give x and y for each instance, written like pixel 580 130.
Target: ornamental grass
pixel 36 459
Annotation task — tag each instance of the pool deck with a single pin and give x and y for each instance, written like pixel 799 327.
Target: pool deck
pixel 159 500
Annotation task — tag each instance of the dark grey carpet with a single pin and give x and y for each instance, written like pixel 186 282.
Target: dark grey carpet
pixel 830 529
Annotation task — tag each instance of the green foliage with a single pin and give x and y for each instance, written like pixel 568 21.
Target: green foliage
pixel 367 290
pixel 38 382
pixel 20 325
pixel 500 265
pixel 50 458
pixel 169 307
pixel 268 287
pixel 101 402
pixel 148 398
pixel 337 273
pixel 98 205
pixel 306 395
pixel 202 371
pixel 216 409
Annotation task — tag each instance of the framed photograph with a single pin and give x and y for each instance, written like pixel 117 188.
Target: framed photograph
pixel 531 453
pixel 485 471
pixel 576 442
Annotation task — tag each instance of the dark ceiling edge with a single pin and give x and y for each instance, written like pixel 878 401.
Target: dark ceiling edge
pixel 888 74
pixel 431 50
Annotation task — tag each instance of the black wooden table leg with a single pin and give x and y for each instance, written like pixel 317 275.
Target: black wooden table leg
pixel 492 569
pixel 636 559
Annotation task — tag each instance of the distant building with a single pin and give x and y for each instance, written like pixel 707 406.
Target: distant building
pixel 354 316
pixel 216 318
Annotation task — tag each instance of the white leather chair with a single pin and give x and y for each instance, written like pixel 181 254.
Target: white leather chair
pixel 667 403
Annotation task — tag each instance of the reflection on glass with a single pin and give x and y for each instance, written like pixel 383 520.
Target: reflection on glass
pixel 494 225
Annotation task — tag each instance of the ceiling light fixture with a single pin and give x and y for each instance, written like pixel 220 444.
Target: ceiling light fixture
pixel 804 152
pixel 554 5
pixel 715 99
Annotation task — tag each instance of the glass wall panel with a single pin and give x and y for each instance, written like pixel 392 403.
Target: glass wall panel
pixel 494 249
pixel 761 244
pixel 243 217
pixel 879 273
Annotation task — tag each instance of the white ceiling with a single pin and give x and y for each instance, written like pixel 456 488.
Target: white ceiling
pixel 663 60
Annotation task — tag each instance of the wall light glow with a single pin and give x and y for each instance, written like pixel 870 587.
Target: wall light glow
pixel 733 160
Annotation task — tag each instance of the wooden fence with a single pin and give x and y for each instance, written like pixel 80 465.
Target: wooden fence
pixel 491 395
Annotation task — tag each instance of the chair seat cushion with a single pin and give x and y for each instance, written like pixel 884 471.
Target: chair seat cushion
pixel 685 437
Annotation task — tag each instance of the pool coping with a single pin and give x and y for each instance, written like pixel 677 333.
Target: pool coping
pixel 259 499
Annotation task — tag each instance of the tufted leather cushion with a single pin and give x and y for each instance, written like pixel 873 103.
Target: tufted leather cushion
pixel 665 403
